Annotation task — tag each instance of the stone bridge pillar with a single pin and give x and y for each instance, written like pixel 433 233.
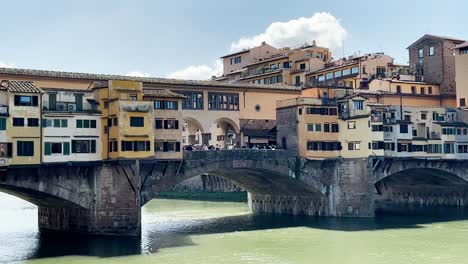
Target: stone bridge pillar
pixel 114 207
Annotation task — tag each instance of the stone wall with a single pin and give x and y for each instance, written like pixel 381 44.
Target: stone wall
pixel 207 183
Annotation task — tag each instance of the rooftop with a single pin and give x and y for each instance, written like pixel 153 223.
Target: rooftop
pixel 147 80
pixel 435 36
pixel 162 93
pixel 463 45
pixel 20 87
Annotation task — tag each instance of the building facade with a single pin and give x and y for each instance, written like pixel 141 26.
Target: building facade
pixel 433 59
pixel 461 76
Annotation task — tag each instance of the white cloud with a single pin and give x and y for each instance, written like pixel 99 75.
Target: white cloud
pixel 6 65
pixel 322 27
pixel 137 74
pixel 198 72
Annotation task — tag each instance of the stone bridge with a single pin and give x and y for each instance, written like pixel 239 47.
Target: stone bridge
pixel 105 198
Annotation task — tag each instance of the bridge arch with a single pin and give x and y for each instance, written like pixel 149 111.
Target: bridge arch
pixel 265 175
pixel 421 183
pixel 49 187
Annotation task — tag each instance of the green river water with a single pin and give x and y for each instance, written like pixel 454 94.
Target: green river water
pixel 178 232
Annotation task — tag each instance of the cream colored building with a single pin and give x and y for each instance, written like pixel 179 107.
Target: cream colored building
pixel 356 130
pixel 461 74
pixel 353 72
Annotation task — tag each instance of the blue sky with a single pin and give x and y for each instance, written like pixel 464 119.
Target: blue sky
pixel 158 38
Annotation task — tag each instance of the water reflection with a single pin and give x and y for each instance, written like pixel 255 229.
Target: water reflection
pixel 173 224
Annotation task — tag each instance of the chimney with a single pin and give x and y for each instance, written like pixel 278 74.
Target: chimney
pixel 263 43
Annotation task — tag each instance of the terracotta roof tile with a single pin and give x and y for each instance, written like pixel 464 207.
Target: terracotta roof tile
pixel 161 93
pixel 147 80
pixel 20 87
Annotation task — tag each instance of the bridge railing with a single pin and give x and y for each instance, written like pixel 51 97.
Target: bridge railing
pixel 237 154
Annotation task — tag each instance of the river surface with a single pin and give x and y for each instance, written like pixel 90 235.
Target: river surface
pixel 176 231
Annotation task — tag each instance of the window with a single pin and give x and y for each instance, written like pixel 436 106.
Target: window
pixel 23 100
pixel 449 148
pixel 137 121
pixel 223 101
pixel 364 70
pixel 302 66
pixel 350 146
pixel 431 51
pixel 286 64
pixel 423 90
pixel 464 51
pixel 355 70
pixel 429 90
pixel 171 124
pixel 346 72
pixel 398 89
pixel 333 111
pixel 52 148
pixel 298 79
pixel 314 111
pixel 403 129
pixel 321 78
pixel 83 146
pixel 377 128
pixel 158 104
pixel 2 123
pixel 33 122
pixel 413 89
pixel 462 102
pixel 310 127
pixel 25 148
pixel 18 122
pixel 172 105
pixel 318 127
pixel 323 146
pixel 170 146
pixel 158 123
pixel 237 60
pixel 326 128
pixel 193 100
pixel 133 97
pixel 358 105
pixel 135 146
pixel 423 116
pixel 86 123
pixel 57 123
pixel 329 76
pixel 420 53
pixel 115 121
pixel 462 148
pixel 335 128
pixel 351 124
pixel 337 74
pixel 6 150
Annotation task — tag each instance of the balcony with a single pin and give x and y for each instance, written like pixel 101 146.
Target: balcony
pixel 260 71
pixel 69 107
pixel 136 106
pixel 4 110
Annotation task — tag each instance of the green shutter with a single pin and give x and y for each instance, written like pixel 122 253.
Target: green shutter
pixel 64 123
pixel 44 122
pixel 86 123
pixel 93 123
pixel 79 123
pixel 66 148
pixel 93 146
pixel 47 148
pixel 2 124
pixel 56 122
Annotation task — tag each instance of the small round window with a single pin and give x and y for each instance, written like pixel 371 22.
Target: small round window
pixel 257 108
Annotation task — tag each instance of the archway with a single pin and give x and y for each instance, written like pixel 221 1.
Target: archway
pixel 192 132
pixel 420 188
pixel 226 134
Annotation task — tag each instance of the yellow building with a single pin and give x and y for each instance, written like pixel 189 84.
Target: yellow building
pixel 23 130
pixel 461 73
pixel 127 120
pixel 168 123
pixel 308 126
